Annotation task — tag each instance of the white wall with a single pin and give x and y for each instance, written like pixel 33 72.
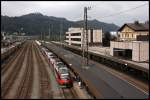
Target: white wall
pixel 97 35
pixel 144 51
pixel 140 50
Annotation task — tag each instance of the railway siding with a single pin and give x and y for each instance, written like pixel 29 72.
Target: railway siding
pixel 18 80
pixel 44 78
pixel 36 83
pixel 26 85
pixel 10 76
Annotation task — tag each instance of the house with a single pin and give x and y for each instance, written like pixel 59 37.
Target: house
pixel 133 42
pixel 130 31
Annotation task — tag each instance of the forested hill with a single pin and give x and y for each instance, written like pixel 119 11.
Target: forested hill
pixel 36 23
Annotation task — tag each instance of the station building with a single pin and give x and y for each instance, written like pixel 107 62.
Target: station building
pixel 133 43
pixel 131 31
pixel 74 36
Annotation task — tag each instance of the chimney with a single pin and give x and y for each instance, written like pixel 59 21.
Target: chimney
pixel 136 22
pixel 147 22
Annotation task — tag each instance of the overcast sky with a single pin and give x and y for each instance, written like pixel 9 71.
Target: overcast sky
pixel 73 10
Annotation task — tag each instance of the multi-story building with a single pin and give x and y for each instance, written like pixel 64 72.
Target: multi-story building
pixel 130 31
pixel 74 36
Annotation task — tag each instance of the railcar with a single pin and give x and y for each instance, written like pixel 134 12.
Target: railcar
pixel 63 77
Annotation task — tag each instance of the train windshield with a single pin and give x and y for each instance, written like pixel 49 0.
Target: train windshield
pixel 65 76
pixel 49 53
pixel 63 70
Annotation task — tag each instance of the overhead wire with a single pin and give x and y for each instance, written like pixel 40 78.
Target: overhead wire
pixel 115 14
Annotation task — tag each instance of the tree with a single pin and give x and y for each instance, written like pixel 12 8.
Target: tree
pixel 106 39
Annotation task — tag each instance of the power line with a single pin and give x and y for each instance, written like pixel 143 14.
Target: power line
pixel 124 11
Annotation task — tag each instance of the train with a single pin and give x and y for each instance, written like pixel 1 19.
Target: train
pixel 61 71
pixel 63 77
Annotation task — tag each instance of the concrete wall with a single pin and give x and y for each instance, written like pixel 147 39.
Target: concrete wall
pixel 136 52
pixel 112 45
pixel 140 49
pixel 144 52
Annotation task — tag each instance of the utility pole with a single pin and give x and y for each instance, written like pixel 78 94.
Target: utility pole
pixel 85 44
pixel 41 36
pixel 87 36
pixel 51 34
pixel 61 31
pixel 49 31
pixel 83 41
pixel 44 37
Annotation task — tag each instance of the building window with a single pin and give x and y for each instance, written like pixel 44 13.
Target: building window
pixel 75 39
pixel 75 44
pixel 75 34
pixel 91 35
pixel 124 36
pixel 135 35
pixel 67 38
pixel 121 35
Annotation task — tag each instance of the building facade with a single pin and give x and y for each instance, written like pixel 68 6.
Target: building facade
pixel 130 46
pixel 130 31
pixel 136 50
pixel 74 36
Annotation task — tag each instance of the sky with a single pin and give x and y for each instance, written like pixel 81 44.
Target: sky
pixel 74 10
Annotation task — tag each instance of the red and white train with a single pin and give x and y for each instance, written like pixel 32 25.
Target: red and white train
pixel 63 77
pixel 60 70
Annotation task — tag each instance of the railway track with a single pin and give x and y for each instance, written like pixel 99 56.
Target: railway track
pixel 5 67
pixel 44 78
pixel 9 81
pixel 24 89
pixel 69 93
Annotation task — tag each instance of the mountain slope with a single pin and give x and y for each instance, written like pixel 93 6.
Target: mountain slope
pixel 36 23
pixel 97 25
